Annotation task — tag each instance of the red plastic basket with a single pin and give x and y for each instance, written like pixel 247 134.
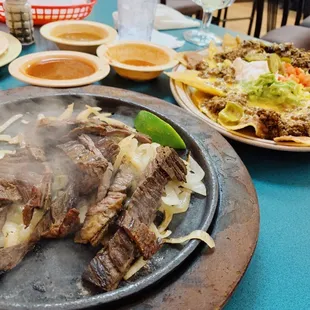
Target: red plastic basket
pixel 46 14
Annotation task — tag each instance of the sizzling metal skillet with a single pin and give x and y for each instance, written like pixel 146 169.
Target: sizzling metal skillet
pixel 56 266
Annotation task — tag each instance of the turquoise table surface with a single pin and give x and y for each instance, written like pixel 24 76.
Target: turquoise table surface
pixel 278 276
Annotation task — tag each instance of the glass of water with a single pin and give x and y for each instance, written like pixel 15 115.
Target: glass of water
pixel 136 19
pixel 203 36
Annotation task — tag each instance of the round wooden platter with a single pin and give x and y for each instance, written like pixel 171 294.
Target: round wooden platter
pixel 207 278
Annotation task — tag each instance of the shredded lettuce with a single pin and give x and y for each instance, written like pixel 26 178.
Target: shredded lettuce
pixel 268 88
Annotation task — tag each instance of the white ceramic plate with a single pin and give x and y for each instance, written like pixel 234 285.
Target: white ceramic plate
pixel 4 44
pixel 12 50
pixel 16 69
pixel 181 94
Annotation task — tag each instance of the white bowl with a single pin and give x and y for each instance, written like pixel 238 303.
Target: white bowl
pixel 18 69
pixel 117 54
pixel 53 31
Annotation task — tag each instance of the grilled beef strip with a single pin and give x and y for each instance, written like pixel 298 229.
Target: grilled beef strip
pixel 9 192
pixel 11 256
pixel 111 151
pixel 110 264
pixel 86 160
pixel 3 214
pixel 30 182
pixel 100 214
pixel 100 128
pixel 36 193
pixel 108 146
pixel 64 215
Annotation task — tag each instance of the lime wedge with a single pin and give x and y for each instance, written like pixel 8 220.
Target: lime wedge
pixel 160 131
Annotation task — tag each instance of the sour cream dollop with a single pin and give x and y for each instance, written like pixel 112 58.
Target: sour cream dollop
pixel 249 71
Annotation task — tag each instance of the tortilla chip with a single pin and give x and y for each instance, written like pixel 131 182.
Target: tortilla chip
pixel 198 97
pixel 180 58
pixel 191 78
pixel 298 141
pixel 230 42
pixel 212 50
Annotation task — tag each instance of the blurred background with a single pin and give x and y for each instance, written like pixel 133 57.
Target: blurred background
pixel 272 20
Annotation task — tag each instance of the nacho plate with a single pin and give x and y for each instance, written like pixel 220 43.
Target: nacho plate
pixel 186 96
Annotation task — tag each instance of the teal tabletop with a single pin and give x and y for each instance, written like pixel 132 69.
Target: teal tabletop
pixel 278 276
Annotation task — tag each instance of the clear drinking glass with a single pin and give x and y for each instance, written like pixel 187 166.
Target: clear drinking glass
pixel 203 36
pixel 136 19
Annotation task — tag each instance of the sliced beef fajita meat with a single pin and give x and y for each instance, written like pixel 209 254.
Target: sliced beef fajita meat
pixel 98 217
pixel 100 128
pixel 36 192
pixel 86 160
pixel 89 144
pixel 11 256
pixel 64 215
pixel 145 239
pixel 111 152
pixel 100 214
pixel 9 192
pixel 108 148
pixel 27 182
pixel 131 240
pixel 3 213
pixel 105 183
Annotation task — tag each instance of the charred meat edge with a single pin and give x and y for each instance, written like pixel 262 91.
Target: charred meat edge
pixel 110 264
pixel 100 214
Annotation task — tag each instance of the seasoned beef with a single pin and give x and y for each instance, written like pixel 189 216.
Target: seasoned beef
pixel 3 214
pixel 96 127
pixel 108 148
pixel 296 128
pixel 145 239
pixel 100 214
pixel 36 194
pixel 110 265
pixel 28 183
pixel 11 256
pixel 124 178
pixel 64 216
pixel 194 61
pixel 272 123
pixel 8 192
pixel 89 144
pixel 245 48
pixel 224 72
pixel 86 160
pixel 216 104
pixel 298 56
pixel 98 217
pixel 105 183
pixel 105 179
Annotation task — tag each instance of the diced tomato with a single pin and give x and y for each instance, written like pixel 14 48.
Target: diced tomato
pixel 306 81
pixel 296 74
pixel 289 69
pixel 294 78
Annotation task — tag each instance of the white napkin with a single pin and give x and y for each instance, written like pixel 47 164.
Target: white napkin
pixel 167 18
pixel 166 39
pixel 163 39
